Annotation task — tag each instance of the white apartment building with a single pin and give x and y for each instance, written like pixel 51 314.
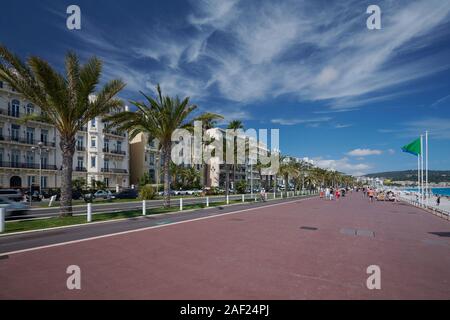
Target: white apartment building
pixel 30 155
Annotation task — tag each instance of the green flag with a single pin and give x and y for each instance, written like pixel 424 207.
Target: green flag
pixel 413 148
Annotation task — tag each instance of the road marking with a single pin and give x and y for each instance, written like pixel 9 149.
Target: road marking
pixel 148 228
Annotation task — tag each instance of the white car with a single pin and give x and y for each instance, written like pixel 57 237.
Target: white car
pixel 103 194
pixel 13 207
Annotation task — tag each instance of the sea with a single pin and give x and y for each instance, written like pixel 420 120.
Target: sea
pixel 440 191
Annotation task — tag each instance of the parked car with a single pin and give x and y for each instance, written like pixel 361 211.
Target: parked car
pixel 103 194
pixel 13 207
pixel 127 194
pixel 11 194
pixel 77 195
pixel 35 196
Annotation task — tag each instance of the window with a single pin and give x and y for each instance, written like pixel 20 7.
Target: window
pixel 44 136
pixel 31 180
pixel 106 181
pixel 80 163
pixel 30 135
pixel 106 145
pixel 93 142
pixel 1 84
pixel 30 108
pixel 43 182
pixel 92 162
pixel 93 123
pixel 1 156
pixel 29 159
pixel 15 156
pixel 15 129
pixel 44 161
pixel 106 164
pixel 80 143
pixel 119 146
pixel 14 109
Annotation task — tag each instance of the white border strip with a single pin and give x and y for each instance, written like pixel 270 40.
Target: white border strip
pixel 149 228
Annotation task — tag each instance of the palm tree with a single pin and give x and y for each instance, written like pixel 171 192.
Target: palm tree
pixel 234 125
pixel 64 100
pixel 287 169
pixel 159 118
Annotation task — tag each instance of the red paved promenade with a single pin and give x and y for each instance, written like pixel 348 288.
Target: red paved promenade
pixel 257 254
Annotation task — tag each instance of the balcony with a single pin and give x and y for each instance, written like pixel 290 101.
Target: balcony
pixel 113 170
pixel 26 141
pixel 22 165
pixel 116 152
pixel 80 169
pixel 80 148
pixel 114 133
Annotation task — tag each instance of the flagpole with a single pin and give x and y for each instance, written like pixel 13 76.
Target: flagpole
pixel 421 168
pixel 427 193
pixel 418 176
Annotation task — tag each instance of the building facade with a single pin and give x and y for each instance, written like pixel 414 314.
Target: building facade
pixel 145 159
pixel 30 156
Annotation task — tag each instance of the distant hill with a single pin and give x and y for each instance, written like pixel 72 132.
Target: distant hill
pixel 434 176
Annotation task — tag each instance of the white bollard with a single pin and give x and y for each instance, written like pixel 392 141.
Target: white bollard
pixel 144 207
pixel 181 204
pixel 207 201
pixel 228 199
pixel 89 212
pixel 275 195
pixel 2 219
pixel 243 198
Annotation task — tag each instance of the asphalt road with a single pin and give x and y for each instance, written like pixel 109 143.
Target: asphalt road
pixel 10 243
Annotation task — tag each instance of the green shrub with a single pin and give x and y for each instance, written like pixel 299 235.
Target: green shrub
pixel 241 186
pixel 147 192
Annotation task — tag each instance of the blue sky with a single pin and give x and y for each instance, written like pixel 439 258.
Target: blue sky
pixel 341 94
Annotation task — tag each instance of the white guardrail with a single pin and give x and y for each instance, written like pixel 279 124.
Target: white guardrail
pixel 91 209
pixel 434 209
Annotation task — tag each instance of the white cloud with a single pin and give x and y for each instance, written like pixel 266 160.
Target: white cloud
pixel 342 165
pixel 247 52
pixel 342 126
pixel 364 152
pixel 310 122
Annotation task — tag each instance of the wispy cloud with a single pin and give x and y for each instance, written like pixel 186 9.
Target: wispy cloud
pixel 364 152
pixel 245 52
pixel 439 101
pixel 310 122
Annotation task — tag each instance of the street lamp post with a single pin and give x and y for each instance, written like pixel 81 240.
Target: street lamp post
pixel 40 147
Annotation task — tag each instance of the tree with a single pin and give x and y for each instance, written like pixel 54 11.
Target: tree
pixel 79 184
pixel 209 121
pixel 159 118
pixel 64 100
pixel 144 180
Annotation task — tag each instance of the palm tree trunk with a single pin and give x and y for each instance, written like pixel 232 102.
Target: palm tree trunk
pixel 286 182
pixel 227 179
pixel 166 154
pixel 68 149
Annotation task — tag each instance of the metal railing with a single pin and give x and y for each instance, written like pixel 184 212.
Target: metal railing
pixel 177 204
pixel 24 165
pixel 436 210
pixel 24 140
